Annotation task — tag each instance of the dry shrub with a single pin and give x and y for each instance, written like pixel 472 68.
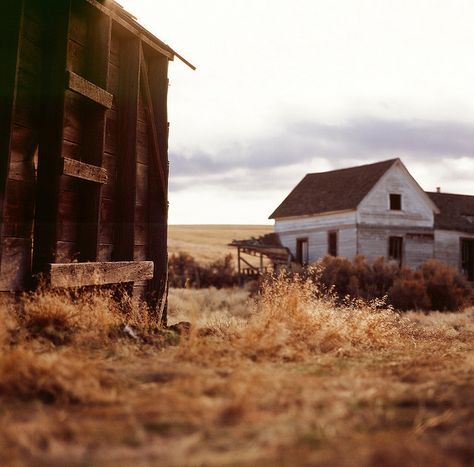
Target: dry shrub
pixel 50 377
pixel 356 278
pixel 62 316
pixel 447 289
pixel 185 271
pixel 290 321
pixel 409 292
pixel 433 286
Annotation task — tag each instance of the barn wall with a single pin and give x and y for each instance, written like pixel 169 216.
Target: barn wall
pixel 73 219
pixel 416 211
pixel 18 206
pixel 316 229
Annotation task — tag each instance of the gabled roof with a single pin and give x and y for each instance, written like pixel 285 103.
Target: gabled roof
pixel 337 190
pixel 456 211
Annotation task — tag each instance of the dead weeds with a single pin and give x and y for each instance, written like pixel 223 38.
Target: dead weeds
pixel 292 381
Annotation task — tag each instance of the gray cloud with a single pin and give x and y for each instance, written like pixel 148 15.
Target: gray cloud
pixel 359 139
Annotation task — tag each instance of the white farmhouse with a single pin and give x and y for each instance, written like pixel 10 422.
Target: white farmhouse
pixel 375 210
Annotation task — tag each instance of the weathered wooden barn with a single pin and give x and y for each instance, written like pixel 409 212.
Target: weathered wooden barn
pixel 83 145
pixel 375 210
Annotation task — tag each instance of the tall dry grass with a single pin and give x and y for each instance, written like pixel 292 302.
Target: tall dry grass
pixel 283 378
pixel 46 339
pixel 290 320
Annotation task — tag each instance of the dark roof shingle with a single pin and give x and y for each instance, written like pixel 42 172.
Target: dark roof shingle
pixel 456 211
pixel 336 190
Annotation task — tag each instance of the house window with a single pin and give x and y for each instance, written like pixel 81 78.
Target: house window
pixel 302 251
pixel 395 249
pixel 395 202
pixel 332 243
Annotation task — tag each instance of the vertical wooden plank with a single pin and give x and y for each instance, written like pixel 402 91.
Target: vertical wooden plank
pixel 10 31
pixel 158 222
pixel 56 21
pixel 128 121
pixel 100 33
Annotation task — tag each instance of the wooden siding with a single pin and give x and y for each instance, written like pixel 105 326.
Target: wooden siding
pixel 418 249
pixel 448 246
pixel 416 210
pixel 316 229
pixel 18 194
pixel 84 144
pixel 318 222
pixel 417 244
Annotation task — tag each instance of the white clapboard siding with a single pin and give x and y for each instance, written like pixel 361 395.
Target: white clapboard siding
pixel 318 241
pixel 316 222
pixel 418 249
pixel 416 208
pixel 448 246
pixel 372 243
pixel 315 229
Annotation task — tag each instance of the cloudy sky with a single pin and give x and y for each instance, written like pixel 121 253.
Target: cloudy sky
pixel 287 87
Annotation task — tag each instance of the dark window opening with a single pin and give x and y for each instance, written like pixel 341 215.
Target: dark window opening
pixel 302 251
pixel 467 258
pixel 332 243
pixel 395 248
pixel 395 202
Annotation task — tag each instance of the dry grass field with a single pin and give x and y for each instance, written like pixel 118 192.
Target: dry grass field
pixel 279 379
pixel 208 243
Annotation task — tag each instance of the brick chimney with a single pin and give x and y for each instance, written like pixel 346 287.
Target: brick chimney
pixel 438 189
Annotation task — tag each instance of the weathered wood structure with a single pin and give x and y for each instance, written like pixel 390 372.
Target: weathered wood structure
pixel 376 210
pixel 83 145
pixel 267 246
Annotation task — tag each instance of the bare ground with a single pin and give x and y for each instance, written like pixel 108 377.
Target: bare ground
pixel 284 381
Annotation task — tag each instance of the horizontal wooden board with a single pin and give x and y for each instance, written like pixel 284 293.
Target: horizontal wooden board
pixel 86 274
pixel 87 89
pixel 84 171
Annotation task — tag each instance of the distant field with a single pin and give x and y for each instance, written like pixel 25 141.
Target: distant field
pixel 209 242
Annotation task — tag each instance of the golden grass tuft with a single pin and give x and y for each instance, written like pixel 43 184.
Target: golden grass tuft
pixel 49 377
pixel 61 316
pixel 290 321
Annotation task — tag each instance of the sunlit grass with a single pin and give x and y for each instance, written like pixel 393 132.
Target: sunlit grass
pixel 283 377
